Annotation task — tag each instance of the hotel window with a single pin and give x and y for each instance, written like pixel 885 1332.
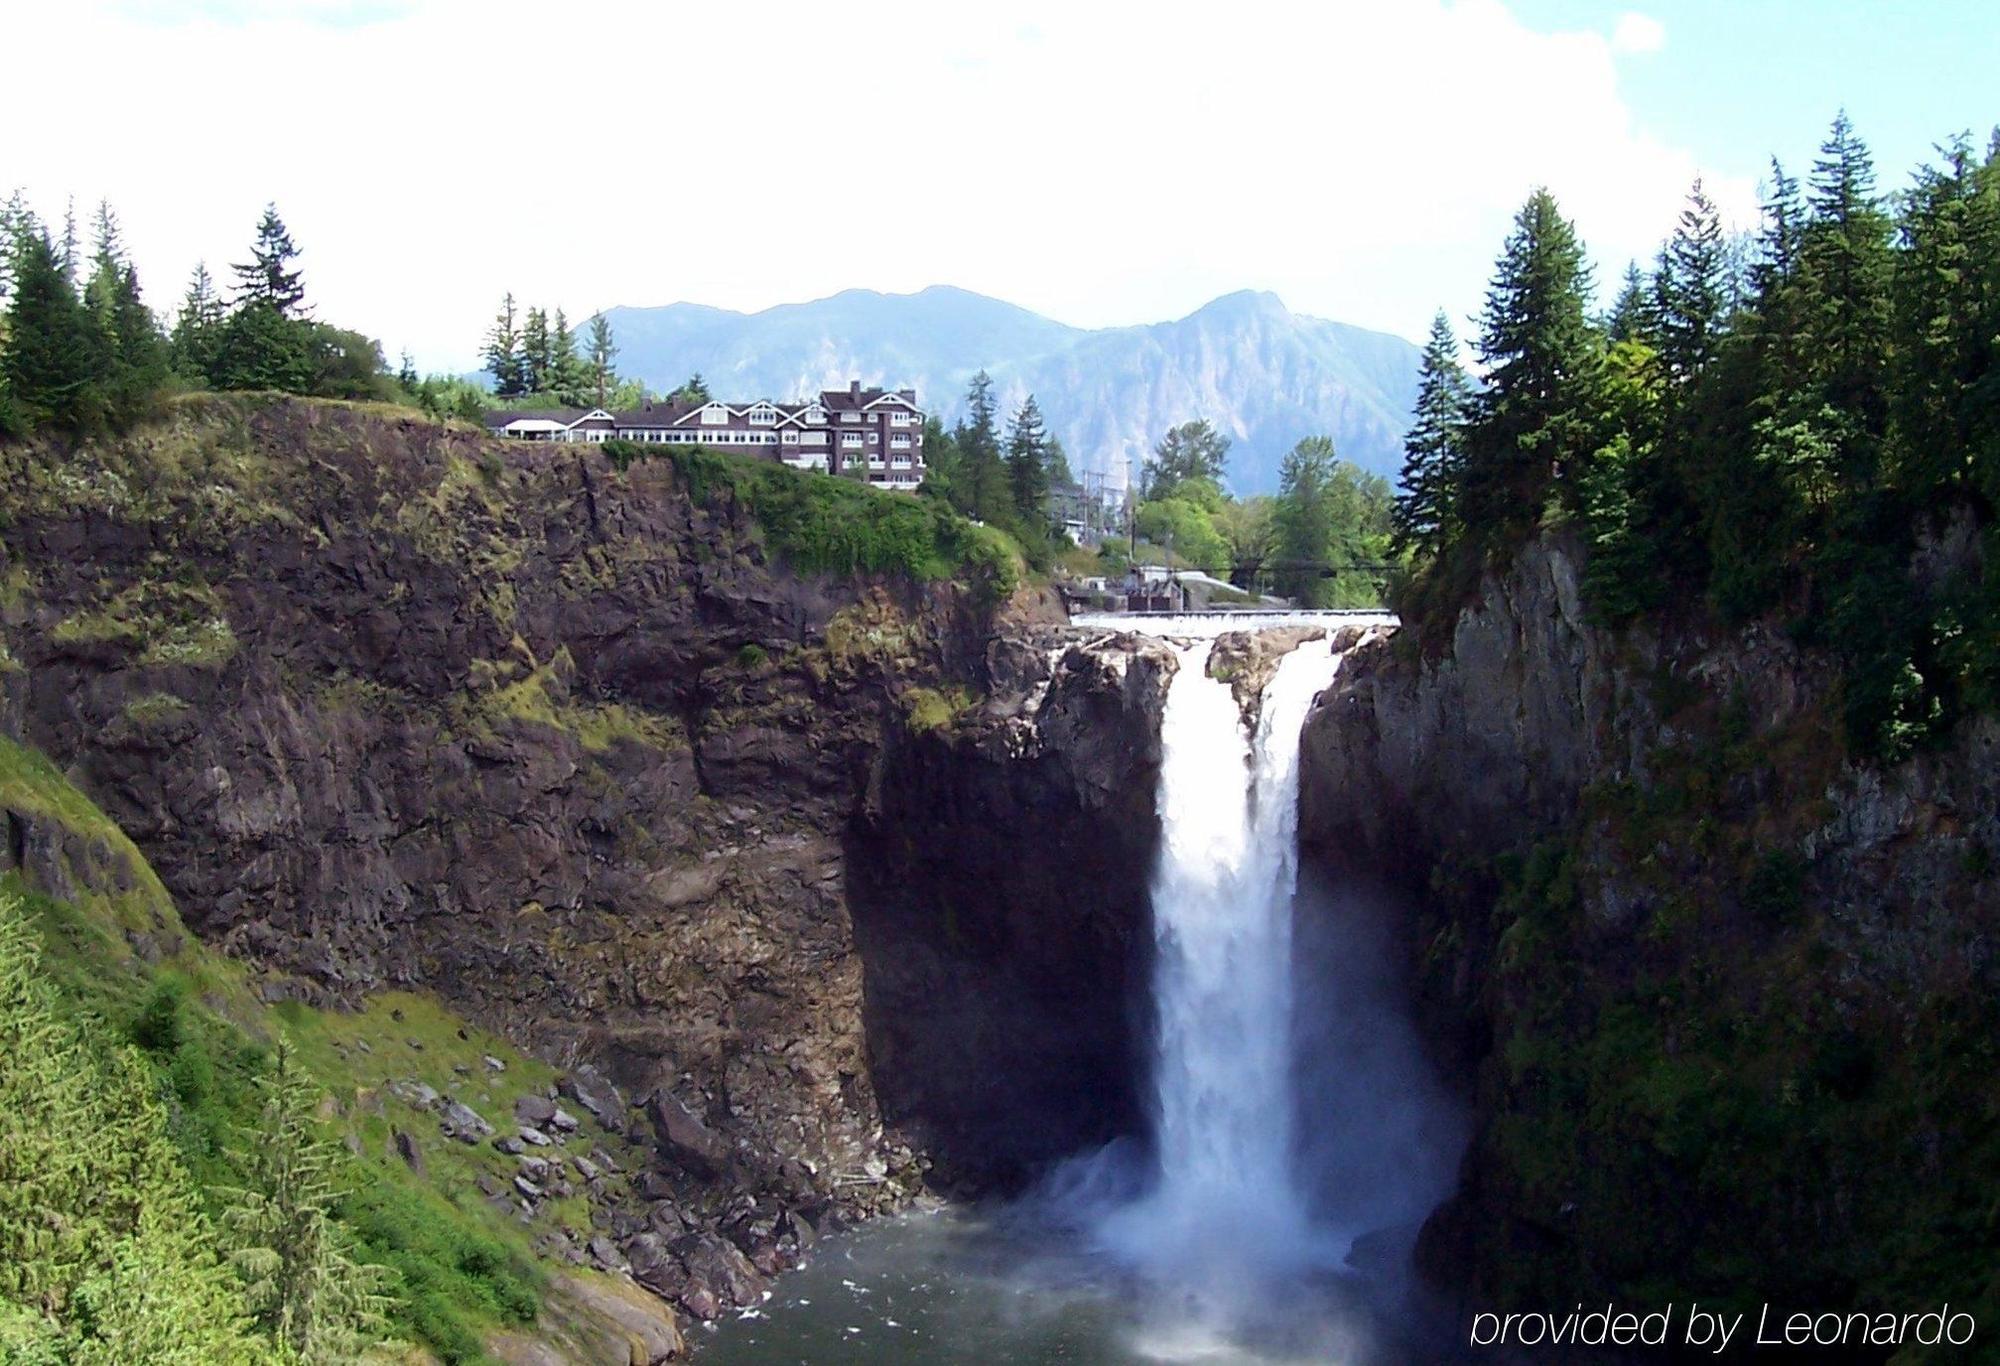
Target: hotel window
pixel 874 437
pixel 850 417
pixel 791 438
pixel 763 417
pixel 899 418
pixel 899 440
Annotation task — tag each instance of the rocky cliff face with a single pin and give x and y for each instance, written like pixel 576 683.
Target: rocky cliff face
pixel 386 704
pixel 1721 995
pixel 1009 855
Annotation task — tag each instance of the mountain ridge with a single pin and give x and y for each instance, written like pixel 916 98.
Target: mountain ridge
pixel 1266 376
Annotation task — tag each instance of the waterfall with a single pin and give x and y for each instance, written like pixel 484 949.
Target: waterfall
pixel 1227 1198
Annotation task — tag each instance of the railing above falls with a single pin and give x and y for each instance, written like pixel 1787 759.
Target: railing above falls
pixel 1218 621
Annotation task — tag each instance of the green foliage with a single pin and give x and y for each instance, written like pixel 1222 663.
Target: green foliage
pixel 1027 464
pixel 1780 442
pixel 105 1254
pixel 1193 450
pixel 826 525
pixel 99 361
pixel 306 1291
pixel 1332 527
pixel 445 1276
pixel 1434 452
pixel 1185 526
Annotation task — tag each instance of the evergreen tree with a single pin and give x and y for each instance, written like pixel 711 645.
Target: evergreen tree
pixel 70 261
pixel 270 277
pixel 1845 253
pixel 503 353
pixel 1694 288
pixel 1537 416
pixel 197 333
pixel 1056 463
pixel 17 222
pixel 1027 467
pixel 301 1280
pixel 1433 450
pixel 53 354
pixel 538 355
pixel 986 493
pixel 570 381
pixel 258 347
pixel 1944 343
pixel 599 352
pixel 1633 316
pixel 693 391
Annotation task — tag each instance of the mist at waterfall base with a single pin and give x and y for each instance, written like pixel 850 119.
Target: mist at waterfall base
pixel 1298 1136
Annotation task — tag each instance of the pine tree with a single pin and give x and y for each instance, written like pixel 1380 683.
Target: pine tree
pixel 1694 288
pixel 570 381
pixel 300 1279
pixel 538 357
pixel 270 277
pixel 1845 254
pixel 70 261
pixel 1027 456
pixel 1633 316
pixel 1537 416
pixel 693 391
pixel 1433 452
pixel 53 355
pixel 599 352
pixel 17 221
pixel 1056 463
pixel 1944 347
pixel 503 353
pixel 198 332
pixel 985 494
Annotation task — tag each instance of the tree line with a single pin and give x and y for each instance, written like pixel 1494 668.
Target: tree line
pixel 1803 428
pixel 539 357
pixel 80 349
pixel 1322 541
pixel 1003 481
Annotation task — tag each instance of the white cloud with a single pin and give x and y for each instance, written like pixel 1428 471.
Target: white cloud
pixel 1637 33
pixel 1079 158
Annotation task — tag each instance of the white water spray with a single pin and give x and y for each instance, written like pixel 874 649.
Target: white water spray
pixel 1227 1200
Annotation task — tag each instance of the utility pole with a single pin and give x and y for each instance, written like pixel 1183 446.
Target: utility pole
pixel 1131 517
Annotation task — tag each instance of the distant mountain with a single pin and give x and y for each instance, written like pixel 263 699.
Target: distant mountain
pixel 1261 373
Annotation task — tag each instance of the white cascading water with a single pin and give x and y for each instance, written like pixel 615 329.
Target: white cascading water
pixel 1227 1200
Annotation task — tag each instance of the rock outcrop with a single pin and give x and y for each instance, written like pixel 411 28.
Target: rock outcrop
pixel 1715 989
pixel 1007 857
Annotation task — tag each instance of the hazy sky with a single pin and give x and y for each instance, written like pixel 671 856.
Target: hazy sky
pixel 1099 163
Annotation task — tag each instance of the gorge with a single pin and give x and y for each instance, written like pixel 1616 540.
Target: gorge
pixel 806 896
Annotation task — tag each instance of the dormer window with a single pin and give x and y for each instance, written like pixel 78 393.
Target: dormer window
pixel 715 415
pixel 763 415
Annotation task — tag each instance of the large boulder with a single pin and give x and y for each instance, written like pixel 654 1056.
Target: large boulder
pixel 684 1139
